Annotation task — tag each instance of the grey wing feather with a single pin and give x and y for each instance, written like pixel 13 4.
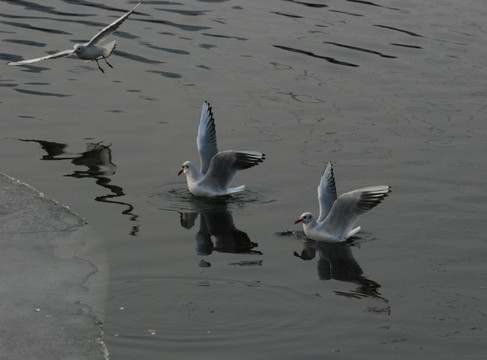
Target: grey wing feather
pixel 52 56
pixel 348 207
pixel 105 32
pixel 327 193
pixel 225 164
pixel 206 140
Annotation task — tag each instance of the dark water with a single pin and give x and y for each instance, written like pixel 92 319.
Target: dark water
pixel 392 92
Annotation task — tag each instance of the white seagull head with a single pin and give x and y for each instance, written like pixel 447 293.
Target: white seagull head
pixel 188 168
pixel 305 218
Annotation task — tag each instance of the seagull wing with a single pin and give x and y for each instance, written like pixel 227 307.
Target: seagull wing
pixel 206 140
pixel 348 207
pixel 327 192
pixel 52 56
pixel 225 164
pixel 110 28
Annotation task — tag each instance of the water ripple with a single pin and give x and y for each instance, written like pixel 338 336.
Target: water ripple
pixel 36 6
pixel 166 74
pixel 137 58
pixel 184 27
pixel 169 50
pixel 226 36
pixel 361 49
pixel 308 4
pixel 25 42
pixel 177 198
pixel 37 28
pixel 185 12
pixel 311 54
pixel 372 4
pixel 40 93
pixel 399 30
pixel 193 310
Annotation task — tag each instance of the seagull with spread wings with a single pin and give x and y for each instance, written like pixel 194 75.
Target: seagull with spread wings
pixel 217 168
pixel 90 50
pixel 339 215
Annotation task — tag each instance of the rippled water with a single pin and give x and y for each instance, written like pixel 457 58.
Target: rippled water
pixel 392 92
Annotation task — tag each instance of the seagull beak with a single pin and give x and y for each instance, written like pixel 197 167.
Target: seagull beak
pixel 180 172
pixel 298 221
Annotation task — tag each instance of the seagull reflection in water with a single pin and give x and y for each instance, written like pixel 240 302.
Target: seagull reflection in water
pixel 336 262
pixel 217 231
pixel 98 159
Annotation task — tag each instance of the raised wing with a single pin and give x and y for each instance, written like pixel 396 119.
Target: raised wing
pixel 327 192
pixel 348 207
pixel 110 28
pixel 52 56
pixel 206 140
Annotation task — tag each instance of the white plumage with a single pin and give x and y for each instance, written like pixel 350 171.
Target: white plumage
pixel 217 168
pixel 339 215
pixel 89 50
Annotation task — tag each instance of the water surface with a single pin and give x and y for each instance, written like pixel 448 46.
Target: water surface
pixel 391 92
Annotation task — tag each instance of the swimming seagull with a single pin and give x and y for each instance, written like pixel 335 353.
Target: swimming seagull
pixel 89 50
pixel 217 168
pixel 338 215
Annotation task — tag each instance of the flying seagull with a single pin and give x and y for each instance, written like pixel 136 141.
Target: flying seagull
pixel 89 50
pixel 217 168
pixel 338 215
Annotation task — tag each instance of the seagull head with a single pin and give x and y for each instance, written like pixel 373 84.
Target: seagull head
pixel 186 167
pixel 79 48
pixel 305 218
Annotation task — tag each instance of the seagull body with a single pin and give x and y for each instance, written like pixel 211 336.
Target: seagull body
pixel 339 215
pixel 217 168
pixel 89 50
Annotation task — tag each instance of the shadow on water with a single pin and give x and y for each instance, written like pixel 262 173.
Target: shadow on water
pixel 98 159
pixel 217 231
pixel 336 262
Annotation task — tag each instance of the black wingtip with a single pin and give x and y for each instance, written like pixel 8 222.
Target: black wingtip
pixel 247 160
pixel 210 110
pixel 371 199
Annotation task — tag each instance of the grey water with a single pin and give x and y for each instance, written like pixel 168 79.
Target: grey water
pixel 392 92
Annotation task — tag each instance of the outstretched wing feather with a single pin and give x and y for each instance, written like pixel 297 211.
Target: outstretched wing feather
pixel 348 207
pixel 225 164
pixel 107 30
pixel 47 57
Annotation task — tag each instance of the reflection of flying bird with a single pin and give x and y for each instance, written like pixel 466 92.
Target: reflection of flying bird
pixel 53 149
pixel 338 215
pixel 98 159
pixel 217 168
pixel 89 50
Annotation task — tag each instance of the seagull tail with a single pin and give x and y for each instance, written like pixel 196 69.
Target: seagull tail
pixel 236 189
pixel 353 232
pixel 109 49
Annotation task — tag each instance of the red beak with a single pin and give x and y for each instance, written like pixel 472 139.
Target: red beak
pixel 298 221
pixel 180 172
